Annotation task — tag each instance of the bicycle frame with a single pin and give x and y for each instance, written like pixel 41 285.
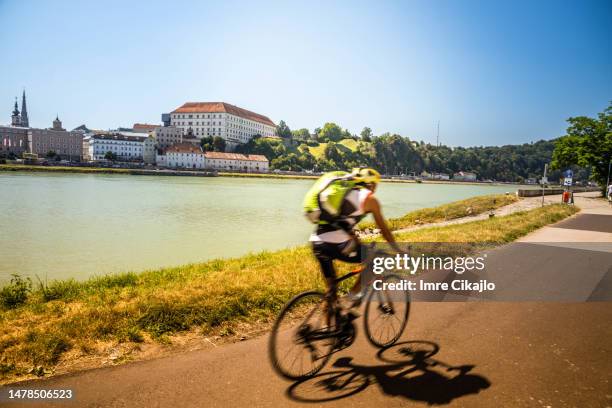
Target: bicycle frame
pixel 361 268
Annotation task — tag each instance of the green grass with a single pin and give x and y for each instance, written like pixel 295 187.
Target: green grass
pixel 450 211
pixel 65 320
pixel 344 144
pixel 268 175
pixel 496 230
pixel 67 169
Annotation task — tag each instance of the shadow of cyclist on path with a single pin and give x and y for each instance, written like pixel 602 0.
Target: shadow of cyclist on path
pixel 413 378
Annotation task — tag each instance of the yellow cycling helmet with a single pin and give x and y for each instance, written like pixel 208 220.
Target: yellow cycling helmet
pixel 366 175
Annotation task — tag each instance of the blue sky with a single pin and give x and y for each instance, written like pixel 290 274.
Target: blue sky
pixel 491 72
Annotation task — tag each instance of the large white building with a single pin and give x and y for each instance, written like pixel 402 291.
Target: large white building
pixel 234 124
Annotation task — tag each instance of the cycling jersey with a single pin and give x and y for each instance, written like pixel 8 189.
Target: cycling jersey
pixel 351 212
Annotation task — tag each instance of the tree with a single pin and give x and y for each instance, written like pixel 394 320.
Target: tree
pixel 207 144
pixel 50 154
pixel 218 144
pixel 283 130
pixel 588 143
pixel 301 134
pixel 330 133
pixel 366 134
pixel 110 156
pixel 332 153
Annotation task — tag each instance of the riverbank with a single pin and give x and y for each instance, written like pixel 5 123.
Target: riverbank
pixel 152 172
pixel 67 325
pixel 105 170
pixel 269 175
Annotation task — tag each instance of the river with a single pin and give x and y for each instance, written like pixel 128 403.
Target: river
pixel 78 225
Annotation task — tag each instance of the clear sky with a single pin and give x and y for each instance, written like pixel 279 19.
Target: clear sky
pixel 491 72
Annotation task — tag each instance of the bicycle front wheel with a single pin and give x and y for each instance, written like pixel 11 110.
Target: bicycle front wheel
pixel 301 341
pixel 386 313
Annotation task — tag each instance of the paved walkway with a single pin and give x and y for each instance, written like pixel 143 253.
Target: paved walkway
pixel 524 204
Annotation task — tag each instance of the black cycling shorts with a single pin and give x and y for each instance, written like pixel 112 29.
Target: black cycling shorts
pixel 326 252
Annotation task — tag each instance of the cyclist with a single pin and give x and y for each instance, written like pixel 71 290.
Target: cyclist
pixel 338 240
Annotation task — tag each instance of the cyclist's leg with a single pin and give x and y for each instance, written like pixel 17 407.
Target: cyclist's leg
pixel 324 254
pixel 352 252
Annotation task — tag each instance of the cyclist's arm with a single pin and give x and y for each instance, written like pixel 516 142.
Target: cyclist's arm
pixel 371 205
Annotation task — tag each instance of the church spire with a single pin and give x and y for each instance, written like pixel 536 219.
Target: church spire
pixel 25 122
pixel 15 117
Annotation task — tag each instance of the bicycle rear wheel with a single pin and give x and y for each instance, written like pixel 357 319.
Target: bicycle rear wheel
pixel 301 341
pixel 386 313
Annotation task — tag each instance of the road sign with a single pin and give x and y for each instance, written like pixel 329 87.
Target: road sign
pixel 567 181
pixel 568 174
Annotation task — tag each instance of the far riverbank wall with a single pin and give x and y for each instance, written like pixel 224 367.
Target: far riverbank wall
pixel 535 192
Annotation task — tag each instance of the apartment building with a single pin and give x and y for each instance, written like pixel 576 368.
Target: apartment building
pixel 126 146
pixel 184 155
pixel 167 136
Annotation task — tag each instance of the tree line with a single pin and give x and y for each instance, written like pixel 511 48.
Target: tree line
pixel 393 154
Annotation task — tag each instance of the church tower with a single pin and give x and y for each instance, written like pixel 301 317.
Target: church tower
pixel 25 122
pixel 57 124
pixel 16 117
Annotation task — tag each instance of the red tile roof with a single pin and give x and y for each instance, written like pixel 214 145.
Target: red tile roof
pixel 235 156
pixel 144 126
pixel 183 148
pixel 222 107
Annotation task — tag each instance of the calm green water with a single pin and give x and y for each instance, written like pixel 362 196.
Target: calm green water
pixel 78 225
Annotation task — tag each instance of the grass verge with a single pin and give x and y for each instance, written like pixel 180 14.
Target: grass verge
pixel 71 320
pixel 450 211
pixel 103 170
pixel 266 175
pixel 61 169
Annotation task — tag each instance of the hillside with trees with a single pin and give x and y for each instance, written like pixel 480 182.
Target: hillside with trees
pixel 331 148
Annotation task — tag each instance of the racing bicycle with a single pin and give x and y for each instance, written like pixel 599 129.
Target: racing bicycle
pixel 309 328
